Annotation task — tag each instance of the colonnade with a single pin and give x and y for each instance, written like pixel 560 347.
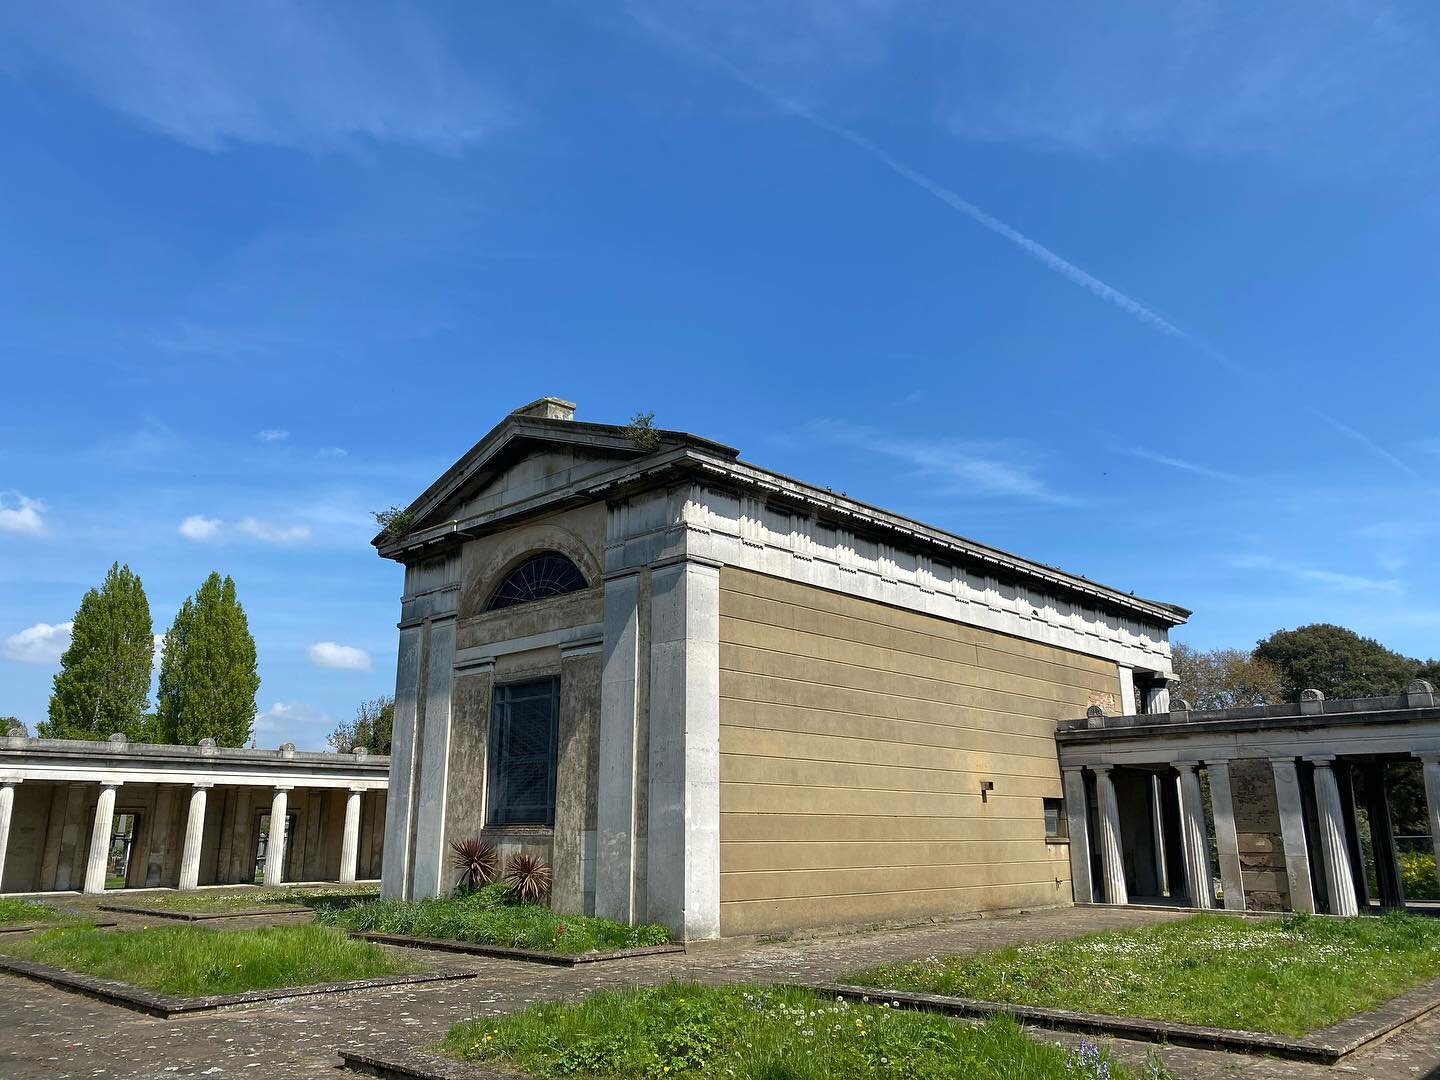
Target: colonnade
pixel 103 821
pixel 1331 816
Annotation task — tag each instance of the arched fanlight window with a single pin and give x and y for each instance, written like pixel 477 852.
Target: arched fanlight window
pixel 546 574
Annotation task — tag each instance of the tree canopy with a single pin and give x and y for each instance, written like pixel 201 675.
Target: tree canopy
pixel 208 678
pixel 103 684
pixel 1336 661
pixel 1225 678
pixel 371 727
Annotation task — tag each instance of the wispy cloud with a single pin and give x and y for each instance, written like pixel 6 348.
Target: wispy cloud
pixel 331 654
pixel 964 467
pixel 1329 578
pixel 1042 254
pixel 294 721
pixel 43 643
pixel 1182 465
pixel 21 515
pixel 267 72
pixel 272 435
pixel 202 529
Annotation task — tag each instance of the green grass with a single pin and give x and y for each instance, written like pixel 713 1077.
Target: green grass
pixel 1285 976
pixel 194 961
pixel 15 912
pixel 752 1033
pixel 207 902
pixel 487 916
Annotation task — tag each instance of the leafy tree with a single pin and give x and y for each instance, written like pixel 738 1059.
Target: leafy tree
pixel 371 727
pixel 1336 661
pixel 208 679
pixel 8 722
pixel 104 678
pixel 1225 678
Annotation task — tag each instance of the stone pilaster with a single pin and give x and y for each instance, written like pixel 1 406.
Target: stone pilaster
pixel 1227 844
pixel 1292 832
pixel 1430 763
pixel 616 795
pixel 1077 814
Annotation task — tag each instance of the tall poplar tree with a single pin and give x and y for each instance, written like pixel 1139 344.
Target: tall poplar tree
pixel 208 679
pixel 104 678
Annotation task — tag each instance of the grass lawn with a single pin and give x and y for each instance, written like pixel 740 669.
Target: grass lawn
pixel 217 902
pixel 193 961
pixel 15 912
pixel 780 1033
pixel 488 916
pixel 1285 976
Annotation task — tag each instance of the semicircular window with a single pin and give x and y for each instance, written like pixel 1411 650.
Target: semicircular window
pixel 546 574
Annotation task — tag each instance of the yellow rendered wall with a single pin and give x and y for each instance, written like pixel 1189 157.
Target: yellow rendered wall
pixel 853 741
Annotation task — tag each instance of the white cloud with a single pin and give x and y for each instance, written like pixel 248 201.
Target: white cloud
pixel 1183 465
pixel 199 528
pixel 331 654
pixel 334 452
pixel 267 72
pixel 964 467
pixel 42 643
pixel 294 721
pixel 272 435
pixel 1330 578
pixel 273 532
pixel 21 515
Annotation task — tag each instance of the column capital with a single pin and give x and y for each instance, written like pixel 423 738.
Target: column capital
pixel 1072 768
pixel 1320 761
pixel 203 785
pixel 358 790
pixel 1217 763
pixel 277 788
pixel 111 785
pixel 10 781
pixel 1186 766
pixel 1427 757
pixel 1284 759
pixel 1100 769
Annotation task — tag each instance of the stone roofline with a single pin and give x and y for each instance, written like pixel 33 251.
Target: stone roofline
pixel 679 454
pixel 1419 702
pixel 284 756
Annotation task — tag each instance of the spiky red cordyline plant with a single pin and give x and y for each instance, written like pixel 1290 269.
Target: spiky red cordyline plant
pixel 527 877
pixel 478 860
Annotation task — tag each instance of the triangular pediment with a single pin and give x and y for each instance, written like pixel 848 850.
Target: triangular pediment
pixel 525 457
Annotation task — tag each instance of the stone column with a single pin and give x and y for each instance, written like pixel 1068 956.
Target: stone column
pixel 350 838
pixel 275 842
pixel 1112 865
pixel 1431 765
pixel 682 866
pixel 1339 881
pixel 194 833
pixel 1077 814
pixel 7 811
pixel 1192 832
pixel 1157 835
pixel 432 774
pixel 1292 833
pixel 1227 843
pixel 395 861
pixel 100 839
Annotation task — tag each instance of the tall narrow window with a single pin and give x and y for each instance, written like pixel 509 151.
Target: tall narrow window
pixel 524 731
pixel 546 574
pixel 1056 824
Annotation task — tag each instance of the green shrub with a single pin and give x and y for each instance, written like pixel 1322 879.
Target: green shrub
pixel 491 916
pixel 1417 875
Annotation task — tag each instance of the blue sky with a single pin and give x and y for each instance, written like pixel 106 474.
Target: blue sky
pixel 1146 292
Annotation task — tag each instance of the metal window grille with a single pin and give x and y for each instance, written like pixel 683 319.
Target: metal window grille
pixel 524 735
pixel 546 574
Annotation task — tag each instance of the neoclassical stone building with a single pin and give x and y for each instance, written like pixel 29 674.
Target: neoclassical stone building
pixel 732 702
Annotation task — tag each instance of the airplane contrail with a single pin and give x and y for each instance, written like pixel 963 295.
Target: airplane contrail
pixel 1036 250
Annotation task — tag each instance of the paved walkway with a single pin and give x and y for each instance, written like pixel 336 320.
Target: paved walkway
pixel 49 1033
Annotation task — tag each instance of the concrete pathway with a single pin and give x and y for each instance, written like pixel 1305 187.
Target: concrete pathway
pixel 49 1033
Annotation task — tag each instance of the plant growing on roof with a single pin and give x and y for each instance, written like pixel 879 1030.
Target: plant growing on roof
pixel 478 862
pixel 527 877
pixel 642 431
pixel 395 522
